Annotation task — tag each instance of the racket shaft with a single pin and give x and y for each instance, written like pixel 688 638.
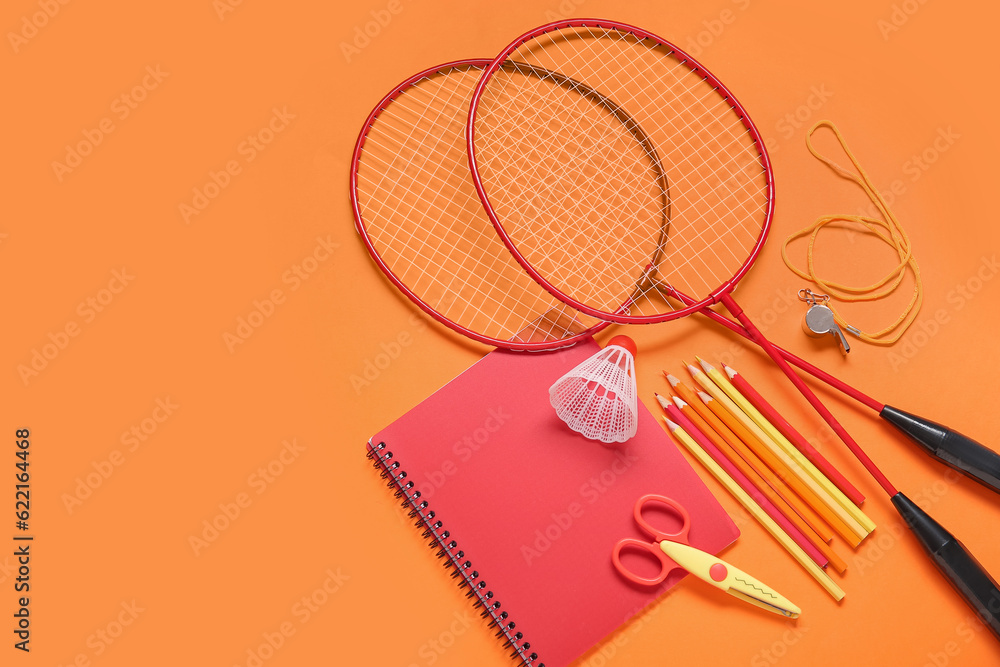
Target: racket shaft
pixel 948 446
pixel 804 389
pixel 791 358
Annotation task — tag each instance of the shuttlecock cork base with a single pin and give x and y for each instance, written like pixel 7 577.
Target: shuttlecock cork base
pixel 598 398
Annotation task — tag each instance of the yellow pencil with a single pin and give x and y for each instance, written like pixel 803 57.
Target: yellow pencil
pixel 758 513
pixel 720 379
pixel 845 525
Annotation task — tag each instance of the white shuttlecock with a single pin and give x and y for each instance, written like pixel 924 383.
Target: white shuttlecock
pixel 598 398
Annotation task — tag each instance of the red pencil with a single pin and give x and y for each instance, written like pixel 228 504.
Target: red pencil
pixel 730 467
pixel 794 436
pixel 750 471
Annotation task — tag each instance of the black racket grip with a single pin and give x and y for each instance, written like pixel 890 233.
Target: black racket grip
pixel 952 448
pixel 955 562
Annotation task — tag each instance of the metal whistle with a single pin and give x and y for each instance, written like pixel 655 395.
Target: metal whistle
pixel 819 320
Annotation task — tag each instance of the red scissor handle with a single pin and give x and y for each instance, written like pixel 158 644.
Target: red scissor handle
pixel 675 507
pixel 653 548
pixel 666 565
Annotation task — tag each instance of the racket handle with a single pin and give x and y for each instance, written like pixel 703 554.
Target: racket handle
pixel 950 447
pixel 955 562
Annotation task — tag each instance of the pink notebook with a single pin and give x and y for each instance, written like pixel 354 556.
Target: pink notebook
pixel 527 511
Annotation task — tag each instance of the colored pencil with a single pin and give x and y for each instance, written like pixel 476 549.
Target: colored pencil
pixel 781 441
pixel 698 450
pixel 832 512
pixel 733 471
pixel 730 436
pixel 805 536
pixel 796 438
pixel 776 503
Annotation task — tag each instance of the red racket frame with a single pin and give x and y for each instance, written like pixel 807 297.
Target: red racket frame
pixel 716 295
pixel 393 278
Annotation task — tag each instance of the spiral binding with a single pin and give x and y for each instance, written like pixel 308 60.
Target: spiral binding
pixel 447 548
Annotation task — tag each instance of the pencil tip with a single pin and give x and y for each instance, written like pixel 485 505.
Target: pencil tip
pixel 680 404
pixel 705 397
pixel 672 426
pixel 662 401
pixel 671 379
pixel 730 372
pixel 707 366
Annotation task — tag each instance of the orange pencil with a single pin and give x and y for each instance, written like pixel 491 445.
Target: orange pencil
pixel 805 537
pixel 807 494
pixel 718 385
pixel 814 520
pixel 793 436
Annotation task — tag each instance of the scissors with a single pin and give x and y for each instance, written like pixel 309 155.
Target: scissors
pixel 674 552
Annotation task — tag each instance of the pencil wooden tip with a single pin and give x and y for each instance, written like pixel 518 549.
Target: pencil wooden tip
pixel 671 379
pixel 670 425
pixel 705 397
pixel 680 404
pixel 730 372
pixel 692 369
pixel 662 401
pixel 707 366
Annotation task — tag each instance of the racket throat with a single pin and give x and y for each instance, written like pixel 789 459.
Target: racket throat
pixel 726 300
pixel 556 323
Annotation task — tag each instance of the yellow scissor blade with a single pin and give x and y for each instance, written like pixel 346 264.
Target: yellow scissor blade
pixel 731 579
pixel 788 609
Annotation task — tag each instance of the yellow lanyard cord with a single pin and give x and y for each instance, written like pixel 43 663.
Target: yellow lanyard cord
pixel 894 236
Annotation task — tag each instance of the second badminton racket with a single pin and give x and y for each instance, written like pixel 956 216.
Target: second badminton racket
pixel 418 214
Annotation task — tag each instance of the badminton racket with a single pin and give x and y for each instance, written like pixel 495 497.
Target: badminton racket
pixel 578 200
pixel 418 215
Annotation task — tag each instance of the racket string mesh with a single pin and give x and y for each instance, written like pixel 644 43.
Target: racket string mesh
pixel 418 208
pixel 601 153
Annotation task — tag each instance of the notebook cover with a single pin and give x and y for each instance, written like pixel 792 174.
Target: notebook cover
pixel 532 509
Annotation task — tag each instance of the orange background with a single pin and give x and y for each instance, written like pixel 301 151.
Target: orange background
pixel 166 333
